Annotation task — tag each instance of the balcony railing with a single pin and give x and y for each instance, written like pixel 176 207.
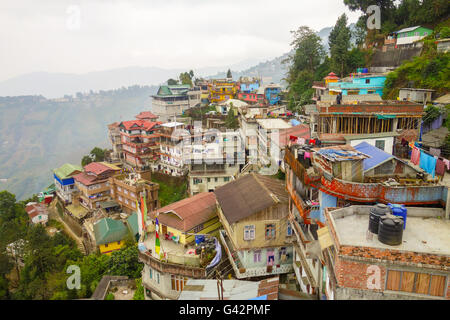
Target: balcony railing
pixel 172 268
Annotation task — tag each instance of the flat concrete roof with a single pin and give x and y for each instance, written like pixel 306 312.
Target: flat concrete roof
pixel 426 234
pixel 273 124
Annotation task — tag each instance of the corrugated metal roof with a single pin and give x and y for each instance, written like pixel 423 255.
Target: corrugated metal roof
pixel 377 156
pixel 188 213
pixel 248 195
pixel 107 230
pixel 340 153
pixel 67 170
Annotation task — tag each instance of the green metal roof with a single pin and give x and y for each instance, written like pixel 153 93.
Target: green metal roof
pixel 107 230
pixel 133 223
pixel 174 90
pixel 66 170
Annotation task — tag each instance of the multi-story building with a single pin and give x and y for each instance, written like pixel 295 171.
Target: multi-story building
pixel 93 184
pixel 37 212
pixel 407 36
pixel 367 117
pixel 147 115
pixel 268 140
pixel 359 85
pixel 128 188
pixel 214 164
pixel 64 182
pixel 116 142
pixel 221 90
pixel 257 236
pixel 172 135
pixel 172 100
pixel 336 176
pixel 182 225
pixel 140 142
pixel 248 85
pixel 358 266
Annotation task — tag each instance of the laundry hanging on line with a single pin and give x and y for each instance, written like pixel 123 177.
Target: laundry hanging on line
pixel 428 163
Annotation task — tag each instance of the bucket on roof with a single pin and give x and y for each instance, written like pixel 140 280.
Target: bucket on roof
pixel 399 210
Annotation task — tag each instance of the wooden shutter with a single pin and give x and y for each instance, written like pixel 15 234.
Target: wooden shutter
pixel 393 280
pixel 408 281
pixel 422 283
pixel 437 287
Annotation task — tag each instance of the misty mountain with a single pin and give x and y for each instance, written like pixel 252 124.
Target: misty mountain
pixel 40 134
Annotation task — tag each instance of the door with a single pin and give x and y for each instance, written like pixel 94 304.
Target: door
pixel 163 229
pixel 270 257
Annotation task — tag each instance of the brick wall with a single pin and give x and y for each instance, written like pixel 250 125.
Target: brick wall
pixel 352 274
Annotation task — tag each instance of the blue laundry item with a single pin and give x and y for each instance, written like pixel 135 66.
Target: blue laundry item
pixel 427 163
pixel 199 239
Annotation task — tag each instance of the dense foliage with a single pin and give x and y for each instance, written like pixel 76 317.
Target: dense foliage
pixel 46 259
pixel 96 155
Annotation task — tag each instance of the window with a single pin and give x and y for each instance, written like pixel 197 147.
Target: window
pixel 198 228
pixel 257 256
pixel 413 282
pixel 367 80
pixel 249 232
pixel 270 231
pixel 226 179
pixel 178 282
pixel 157 277
pixel 282 254
pixel 118 242
pixel 216 179
pixel 289 230
pixel 380 144
pixel 150 273
pixel 209 179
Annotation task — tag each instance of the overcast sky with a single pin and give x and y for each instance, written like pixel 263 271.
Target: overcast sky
pixel 82 36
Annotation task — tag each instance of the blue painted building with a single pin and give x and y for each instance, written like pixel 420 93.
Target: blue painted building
pixel 272 93
pixel 359 85
pixel 249 87
pixel 64 181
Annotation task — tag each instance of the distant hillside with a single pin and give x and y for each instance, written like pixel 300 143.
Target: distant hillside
pixel 39 134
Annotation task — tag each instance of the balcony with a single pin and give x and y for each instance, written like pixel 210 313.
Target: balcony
pixel 241 271
pixel 382 192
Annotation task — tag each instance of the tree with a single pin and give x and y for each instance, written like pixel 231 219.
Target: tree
pixel 186 78
pixel 229 75
pixel 96 155
pixel 231 122
pixel 305 66
pixel 125 262
pixel 172 82
pixel 339 42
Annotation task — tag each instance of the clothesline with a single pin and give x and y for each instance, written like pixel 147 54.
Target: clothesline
pixel 430 163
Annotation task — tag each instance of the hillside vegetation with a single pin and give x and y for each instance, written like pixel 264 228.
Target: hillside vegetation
pixel 39 134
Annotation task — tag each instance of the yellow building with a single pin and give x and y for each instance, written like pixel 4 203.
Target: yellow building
pixel 257 235
pixel 221 90
pixel 110 235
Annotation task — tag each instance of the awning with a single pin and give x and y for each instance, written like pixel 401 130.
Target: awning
pixel 108 204
pixel 386 116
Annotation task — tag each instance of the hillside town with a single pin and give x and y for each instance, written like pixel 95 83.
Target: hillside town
pixel 347 159
pixel 237 189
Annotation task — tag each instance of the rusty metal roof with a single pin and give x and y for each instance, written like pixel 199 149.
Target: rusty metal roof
pixel 248 195
pixel 188 213
pixel 340 153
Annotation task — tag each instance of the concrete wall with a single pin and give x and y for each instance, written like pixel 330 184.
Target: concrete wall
pixel 394 58
pixel 388 143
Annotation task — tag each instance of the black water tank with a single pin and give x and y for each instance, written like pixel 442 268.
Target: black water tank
pixel 390 230
pixel 376 212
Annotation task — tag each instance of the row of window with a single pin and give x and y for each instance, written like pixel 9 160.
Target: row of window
pixel 270 231
pixel 197 180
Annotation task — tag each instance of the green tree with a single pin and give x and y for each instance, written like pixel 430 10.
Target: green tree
pixel 339 42
pixel 231 121
pixel 305 66
pixel 125 262
pixel 96 155
pixel 186 78
pixel 172 82
pixel 229 75
pixel 139 293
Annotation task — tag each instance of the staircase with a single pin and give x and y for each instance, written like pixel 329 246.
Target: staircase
pixel 224 268
pixel 246 169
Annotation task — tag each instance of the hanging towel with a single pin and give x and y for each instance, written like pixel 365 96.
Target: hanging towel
pixel 440 167
pixel 435 152
pixel 307 155
pixel 427 163
pixel 312 141
pixel 415 156
pixel 447 163
pixel 301 141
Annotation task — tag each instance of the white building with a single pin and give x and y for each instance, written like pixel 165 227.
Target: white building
pixel 171 101
pixel 37 212
pixel 269 151
pixel 171 148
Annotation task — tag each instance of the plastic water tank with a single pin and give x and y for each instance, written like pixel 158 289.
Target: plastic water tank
pixel 376 212
pixel 399 210
pixel 365 70
pixel 390 230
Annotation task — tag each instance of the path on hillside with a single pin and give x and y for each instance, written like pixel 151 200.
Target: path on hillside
pixel 67 229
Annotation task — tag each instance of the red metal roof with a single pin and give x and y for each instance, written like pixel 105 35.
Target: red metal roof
pixel 191 212
pixel 146 115
pixel 34 209
pixel 139 124
pixel 96 168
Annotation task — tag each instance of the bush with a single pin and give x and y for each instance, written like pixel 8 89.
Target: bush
pixel 110 296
